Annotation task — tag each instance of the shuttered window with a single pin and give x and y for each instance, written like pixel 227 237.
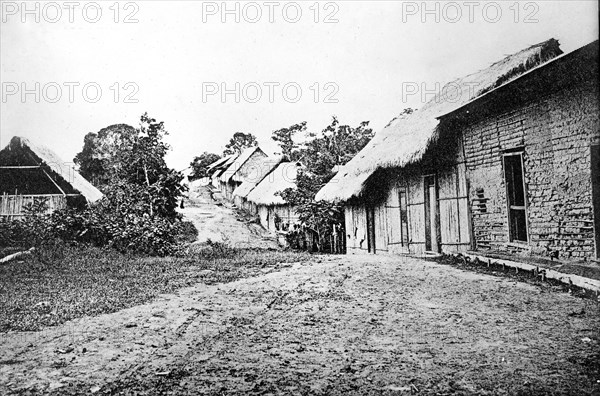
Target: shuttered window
pixel 515 190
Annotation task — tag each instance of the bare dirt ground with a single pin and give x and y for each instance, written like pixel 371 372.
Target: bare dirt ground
pixel 360 325
pixel 338 325
pixel 217 222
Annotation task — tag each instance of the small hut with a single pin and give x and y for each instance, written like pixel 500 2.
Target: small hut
pixel 274 213
pixel 258 173
pixel 216 169
pixel 30 172
pixel 239 169
pixel 211 169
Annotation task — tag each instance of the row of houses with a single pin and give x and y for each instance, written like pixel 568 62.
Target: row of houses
pixel 505 160
pixel 252 181
pixel 31 172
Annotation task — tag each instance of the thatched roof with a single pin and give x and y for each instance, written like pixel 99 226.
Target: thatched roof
pixel 215 165
pixel 405 140
pixel 37 180
pixel 238 164
pixel 222 167
pixel 265 166
pixel 21 152
pixel 283 177
pixel 249 169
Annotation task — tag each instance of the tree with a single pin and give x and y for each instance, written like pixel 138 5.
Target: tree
pixel 122 154
pixel 321 156
pixel 239 142
pixel 200 164
pixel 285 138
pixel 335 145
pixel 90 166
pixel 97 158
pixel 143 163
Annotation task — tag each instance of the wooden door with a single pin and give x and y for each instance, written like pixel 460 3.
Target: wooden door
pixel 453 206
pixel 432 230
pixel 396 212
pixel 371 229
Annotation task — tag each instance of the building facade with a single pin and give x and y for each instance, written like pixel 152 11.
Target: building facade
pixel 514 169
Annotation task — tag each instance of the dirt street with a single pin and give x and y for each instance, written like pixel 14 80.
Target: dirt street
pixel 219 223
pixel 338 325
pixel 331 325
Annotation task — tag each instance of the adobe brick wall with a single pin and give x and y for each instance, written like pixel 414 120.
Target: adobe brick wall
pixel 556 132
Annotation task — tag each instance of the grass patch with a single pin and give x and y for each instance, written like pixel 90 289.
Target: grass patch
pixel 63 282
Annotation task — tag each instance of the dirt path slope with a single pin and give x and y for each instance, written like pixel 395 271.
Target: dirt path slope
pixel 338 325
pixel 218 222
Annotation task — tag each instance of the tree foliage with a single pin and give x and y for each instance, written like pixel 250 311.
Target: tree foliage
pixel 141 193
pixel 99 151
pixel 142 163
pixel 122 154
pixel 239 142
pixel 285 138
pixel 200 164
pixel 320 156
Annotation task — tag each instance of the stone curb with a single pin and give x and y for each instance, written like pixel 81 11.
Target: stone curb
pixel 569 279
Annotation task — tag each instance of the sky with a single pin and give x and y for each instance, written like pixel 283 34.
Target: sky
pixel 210 69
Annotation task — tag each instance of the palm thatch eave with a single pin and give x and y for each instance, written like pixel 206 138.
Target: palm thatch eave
pixel 266 166
pixel 48 158
pixel 405 140
pixel 266 193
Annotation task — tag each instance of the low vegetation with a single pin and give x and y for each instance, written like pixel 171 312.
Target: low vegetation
pixel 121 251
pixel 62 281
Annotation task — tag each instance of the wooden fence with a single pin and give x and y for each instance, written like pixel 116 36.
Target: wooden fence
pixel 305 238
pixel 11 206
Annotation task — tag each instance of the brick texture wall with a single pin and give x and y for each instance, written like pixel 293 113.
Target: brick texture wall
pixel 555 133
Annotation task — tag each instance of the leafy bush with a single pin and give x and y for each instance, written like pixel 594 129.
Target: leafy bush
pixel 187 232
pixel 30 230
pixel 11 233
pixel 101 225
pixel 155 236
